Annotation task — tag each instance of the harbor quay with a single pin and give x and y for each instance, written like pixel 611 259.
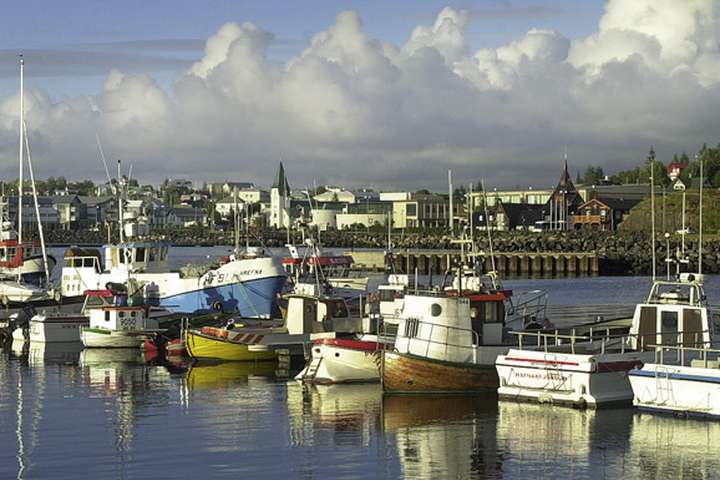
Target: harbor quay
pixel 427 262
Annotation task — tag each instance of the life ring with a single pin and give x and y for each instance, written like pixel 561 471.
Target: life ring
pixel 217 306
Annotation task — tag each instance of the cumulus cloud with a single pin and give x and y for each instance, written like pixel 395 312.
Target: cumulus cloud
pixel 353 109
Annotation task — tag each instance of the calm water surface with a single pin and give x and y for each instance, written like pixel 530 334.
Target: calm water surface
pixel 109 414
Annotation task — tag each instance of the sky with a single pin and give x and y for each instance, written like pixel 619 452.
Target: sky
pixel 382 94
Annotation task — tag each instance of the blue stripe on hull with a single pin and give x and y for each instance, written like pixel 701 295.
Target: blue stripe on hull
pixel 250 299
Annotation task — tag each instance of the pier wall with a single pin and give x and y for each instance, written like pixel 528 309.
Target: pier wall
pixel 506 263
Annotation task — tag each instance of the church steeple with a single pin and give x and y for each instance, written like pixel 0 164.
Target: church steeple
pixel 281 182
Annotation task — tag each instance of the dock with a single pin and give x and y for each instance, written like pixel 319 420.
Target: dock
pixel 428 262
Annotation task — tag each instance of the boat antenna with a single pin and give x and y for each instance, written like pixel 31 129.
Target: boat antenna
pixel 21 156
pixel 102 157
pixel 471 223
pixel 121 220
pixel 487 226
pixel 651 157
pixel 700 233
pixel 247 226
pixel 236 218
pixel 37 206
pixel 451 217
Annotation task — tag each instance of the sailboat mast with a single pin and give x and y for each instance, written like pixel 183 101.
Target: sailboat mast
pixel 37 207
pixel 21 156
pixel 652 216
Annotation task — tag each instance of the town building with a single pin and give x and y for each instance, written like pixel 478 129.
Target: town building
pixel 280 214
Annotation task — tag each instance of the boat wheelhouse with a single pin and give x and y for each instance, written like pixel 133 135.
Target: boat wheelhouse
pixel 591 368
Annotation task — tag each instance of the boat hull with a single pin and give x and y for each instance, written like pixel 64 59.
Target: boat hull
pixel 343 361
pixel 566 379
pixel 676 390
pixel 406 373
pixel 202 346
pixel 57 329
pixel 103 338
pixel 251 298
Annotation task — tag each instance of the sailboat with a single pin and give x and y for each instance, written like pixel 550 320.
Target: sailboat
pixel 19 290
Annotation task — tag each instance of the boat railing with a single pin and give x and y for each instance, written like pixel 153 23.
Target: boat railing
pixel 602 338
pixel 530 304
pixel 430 338
pixel 684 355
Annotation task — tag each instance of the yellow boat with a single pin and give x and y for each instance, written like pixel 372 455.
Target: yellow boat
pixel 223 344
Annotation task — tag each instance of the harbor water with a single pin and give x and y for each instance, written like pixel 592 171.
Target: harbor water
pixel 67 413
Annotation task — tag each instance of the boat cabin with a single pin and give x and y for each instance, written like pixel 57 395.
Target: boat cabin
pixel 391 296
pixel 119 318
pixel 13 255
pixel 149 257
pixel 675 313
pixel 437 327
pixel 313 314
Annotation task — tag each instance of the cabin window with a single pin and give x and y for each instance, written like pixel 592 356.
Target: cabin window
pixel 389 295
pixel 412 326
pixel 121 314
pixel 492 312
pixel 94 302
pixel 107 316
pixel 88 262
pixel 133 314
pixel 337 309
pixel 669 327
pixel 11 251
pixel 435 309
pixel 140 254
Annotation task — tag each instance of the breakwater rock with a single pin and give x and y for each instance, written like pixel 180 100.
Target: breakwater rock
pixel 620 253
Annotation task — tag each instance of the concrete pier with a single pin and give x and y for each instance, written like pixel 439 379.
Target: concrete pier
pixel 506 263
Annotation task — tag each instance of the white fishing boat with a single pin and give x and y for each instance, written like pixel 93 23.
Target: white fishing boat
pixel 247 282
pixel 684 376
pixel 53 328
pixel 680 380
pixel 333 272
pixel 118 327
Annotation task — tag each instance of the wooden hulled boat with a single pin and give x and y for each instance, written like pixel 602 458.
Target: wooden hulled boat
pixel 446 343
pixel 407 373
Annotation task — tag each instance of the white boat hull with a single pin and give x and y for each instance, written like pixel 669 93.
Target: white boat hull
pixel 677 389
pixel 57 329
pixel 95 338
pixel 559 378
pixel 344 365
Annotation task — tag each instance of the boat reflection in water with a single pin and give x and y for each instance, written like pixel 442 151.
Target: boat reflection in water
pixel 226 376
pixel 562 442
pixel 444 436
pixel 41 353
pixel 670 447
pixel 349 413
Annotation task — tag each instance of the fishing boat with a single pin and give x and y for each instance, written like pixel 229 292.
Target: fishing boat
pixel 227 344
pixel 332 271
pixel 247 282
pixel 126 322
pixel 446 343
pixel 591 369
pixel 307 314
pixel 353 358
pixel 53 328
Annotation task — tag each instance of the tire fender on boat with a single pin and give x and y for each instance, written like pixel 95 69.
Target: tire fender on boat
pixel 217 306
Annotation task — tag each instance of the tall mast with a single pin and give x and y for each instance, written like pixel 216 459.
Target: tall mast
pixel 121 220
pixel 450 198
pixel 37 208
pixel 652 215
pixel 21 156
pixel 700 240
